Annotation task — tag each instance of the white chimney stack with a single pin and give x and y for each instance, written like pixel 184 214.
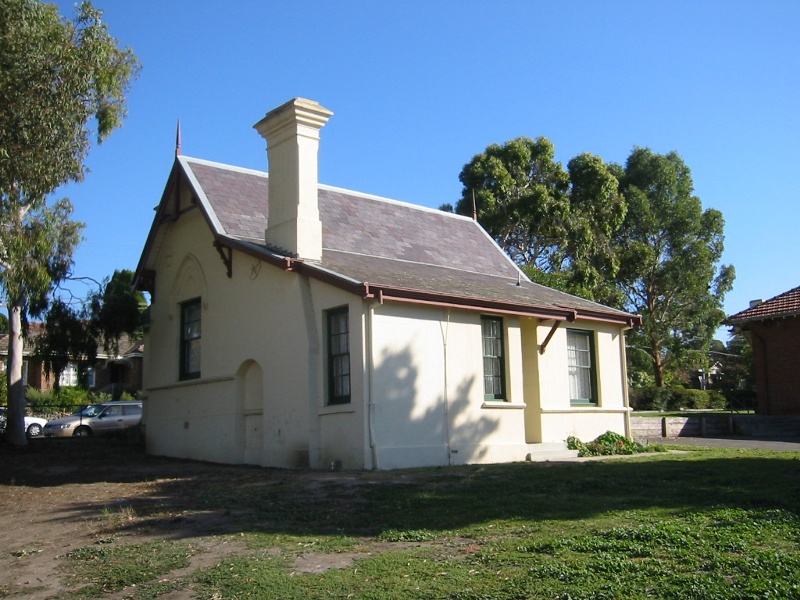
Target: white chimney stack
pixel 292 134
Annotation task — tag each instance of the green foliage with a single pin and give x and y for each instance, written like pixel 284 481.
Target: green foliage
pixel 669 251
pixel 116 309
pixel 77 74
pixel 64 400
pixel 557 222
pixel 74 335
pixel 608 444
pixel 67 337
pixel 676 398
pixel 632 237
pixel 414 535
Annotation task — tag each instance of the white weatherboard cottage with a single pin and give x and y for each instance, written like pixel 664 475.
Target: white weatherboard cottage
pixel 299 325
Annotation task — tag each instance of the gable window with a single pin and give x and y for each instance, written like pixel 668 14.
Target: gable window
pixel 494 368
pixel 190 339
pixel 582 370
pixel 338 356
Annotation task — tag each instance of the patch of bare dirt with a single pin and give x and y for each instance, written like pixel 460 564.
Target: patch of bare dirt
pixel 57 496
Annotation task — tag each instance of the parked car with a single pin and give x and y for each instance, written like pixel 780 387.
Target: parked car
pixel 33 425
pixel 97 419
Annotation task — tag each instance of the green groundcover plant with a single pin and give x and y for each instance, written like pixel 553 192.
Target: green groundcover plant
pixel 610 443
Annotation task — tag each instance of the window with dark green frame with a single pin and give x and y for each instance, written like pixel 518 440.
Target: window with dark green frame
pixel 494 368
pixel 338 356
pixel 582 369
pixel 190 339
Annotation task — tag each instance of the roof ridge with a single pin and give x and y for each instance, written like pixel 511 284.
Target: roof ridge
pixel 219 165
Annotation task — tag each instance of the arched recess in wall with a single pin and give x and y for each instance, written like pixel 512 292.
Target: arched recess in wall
pixel 250 402
pixel 189 283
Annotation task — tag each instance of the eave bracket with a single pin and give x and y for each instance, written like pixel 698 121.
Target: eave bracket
pixel 226 254
pixel 549 337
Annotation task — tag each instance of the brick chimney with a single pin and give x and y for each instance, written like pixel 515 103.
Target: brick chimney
pixel 292 134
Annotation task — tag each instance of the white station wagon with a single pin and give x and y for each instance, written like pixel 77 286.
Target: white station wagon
pixel 97 419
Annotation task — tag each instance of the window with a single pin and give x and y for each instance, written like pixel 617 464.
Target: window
pixel 190 340
pixel 69 376
pixel 494 368
pixel 132 409
pixel 338 356
pixel 582 372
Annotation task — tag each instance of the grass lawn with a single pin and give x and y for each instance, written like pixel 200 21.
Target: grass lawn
pixel 719 523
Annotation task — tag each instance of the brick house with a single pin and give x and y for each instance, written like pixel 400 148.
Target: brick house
pixel 773 329
pixel 111 373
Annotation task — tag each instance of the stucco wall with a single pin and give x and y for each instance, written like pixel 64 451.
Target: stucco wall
pixel 427 389
pixel 549 416
pixel 261 316
pixel 416 373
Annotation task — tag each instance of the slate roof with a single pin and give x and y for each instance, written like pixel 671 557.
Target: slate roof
pixel 378 246
pixel 784 305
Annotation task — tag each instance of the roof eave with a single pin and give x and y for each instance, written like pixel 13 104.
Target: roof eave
pixel 734 321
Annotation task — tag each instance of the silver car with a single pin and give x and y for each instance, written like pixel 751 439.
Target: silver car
pixel 97 419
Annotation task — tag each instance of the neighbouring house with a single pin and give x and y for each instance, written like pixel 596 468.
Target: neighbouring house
pixel 295 324
pixel 111 373
pixel 773 329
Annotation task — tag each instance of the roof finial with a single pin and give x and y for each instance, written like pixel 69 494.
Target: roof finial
pixel 474 207
pixel 178 140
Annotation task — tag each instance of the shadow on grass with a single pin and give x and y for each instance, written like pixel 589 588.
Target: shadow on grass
pixel 184 499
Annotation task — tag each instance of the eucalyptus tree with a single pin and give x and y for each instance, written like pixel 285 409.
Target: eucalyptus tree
pixel 57 78
pixel 557 224
pixel 669 252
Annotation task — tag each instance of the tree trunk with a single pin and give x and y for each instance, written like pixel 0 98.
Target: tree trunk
pixel 658 366
pixel 15 426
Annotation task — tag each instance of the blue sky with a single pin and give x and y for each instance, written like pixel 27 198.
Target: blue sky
pixel 419 87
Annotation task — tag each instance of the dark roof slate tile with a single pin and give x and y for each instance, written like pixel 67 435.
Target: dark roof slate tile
pixel 384 242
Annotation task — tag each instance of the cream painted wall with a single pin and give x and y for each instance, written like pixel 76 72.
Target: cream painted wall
pixel 426 414
pixel 262 316
pixel 549 415
pixel 416 373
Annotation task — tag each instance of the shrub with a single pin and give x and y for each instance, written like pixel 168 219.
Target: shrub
pixel 650 398
pixel 50 403
pixel 676 398
pixel 610 443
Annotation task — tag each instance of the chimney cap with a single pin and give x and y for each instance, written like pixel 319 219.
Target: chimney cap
pixel 754 303
pixel 297 110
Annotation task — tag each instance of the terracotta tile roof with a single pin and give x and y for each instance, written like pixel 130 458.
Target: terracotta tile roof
pixel 784 305
pixel 381 242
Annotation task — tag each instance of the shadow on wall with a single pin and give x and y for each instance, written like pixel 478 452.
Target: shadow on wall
pixel 420 418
